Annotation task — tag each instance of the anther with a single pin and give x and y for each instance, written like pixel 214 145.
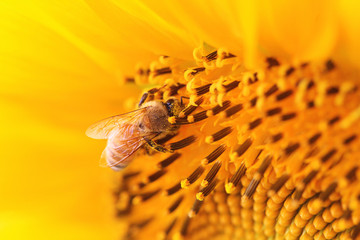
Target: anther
pixel 185 226
pixel 234 109
pixel 271 91
pixel 231 86
pixel 203 89
pixel 215 110
pixel 144 196
pixel 155 176
pixel 207 190
pixel 333 120
pixel 173 189
pixel 214 155
pixel 314 138
pixel 188 110
pixel 167 161
pixel 193 177
pixel 283 95
pixel 243 147
pixel 257 177
pixel 211 56
pixel 174 89
pixel 182 143
pixel 348 140
pixel 253 102
pixel 195 71
pixel 277 137
pixel 329 190
pixel 163 140
pixel 288 116
pixel 272 62
pixel 195 208
pixel 170 227
pixel 218 135
pixel 328 155
pixel 211 174
pixel 291 148
pixel 255 123
pixel 332 90
pixel 175 204
pixel 273 111
pixel 278 184
pixel 162 71
pixel 329 65
pixel 235 179
pixel 351 175
pixel 289 71
pixel 301 187
pixel 311 104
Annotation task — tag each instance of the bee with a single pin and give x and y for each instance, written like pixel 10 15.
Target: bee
pixel 127 133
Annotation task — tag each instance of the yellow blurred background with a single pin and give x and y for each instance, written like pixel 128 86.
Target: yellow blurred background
pixel 53 85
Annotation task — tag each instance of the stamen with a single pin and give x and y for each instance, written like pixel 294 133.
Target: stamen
pixel 273 111
pixel 175 204
pixel 174 89
pixel 332 90
pixel 211 56
pixel 349 139
pixel 291 148
pixel 277 137
pixel 155 176
pixel 290 71
pixel 257 177
pixel 214 155
pixel 301 187
pixel 314 138
pixel 242 148
pixel 211 174
pixel 253 101
pixel 162 71
pixel 278 184
pixel 271 91
pixel 193 177
pixel 167 161
pixel 234 109
pixel 182 143
pixel 351 175
pixel 163 140
pixel 144 196
pixel 231 86
pixel 235 179
pixel 170 227
pixel 173 189
pixel 218 109
pixel 311 104
pixel 202 90
pixel 185 226
pixel 195 208
pixel 288 116
pixel 188 110
pixel 129 80
pixel 207 190
pixel 333 120
pixel 329 190
pixel 330 65
pixel 283 95
pixel 272 62
pixel 255 123
pixel 218 135
pixel 328 155
pixel 129 175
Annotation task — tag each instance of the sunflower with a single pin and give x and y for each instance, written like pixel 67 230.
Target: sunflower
pixel 268 143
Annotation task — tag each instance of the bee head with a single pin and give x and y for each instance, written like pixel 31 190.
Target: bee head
pixel 173 107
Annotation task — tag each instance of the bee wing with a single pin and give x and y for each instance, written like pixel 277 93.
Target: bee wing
pixel 120 151
pixel 104 128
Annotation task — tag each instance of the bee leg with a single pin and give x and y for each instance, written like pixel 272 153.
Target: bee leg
pixel 157 147
pixel 143 98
